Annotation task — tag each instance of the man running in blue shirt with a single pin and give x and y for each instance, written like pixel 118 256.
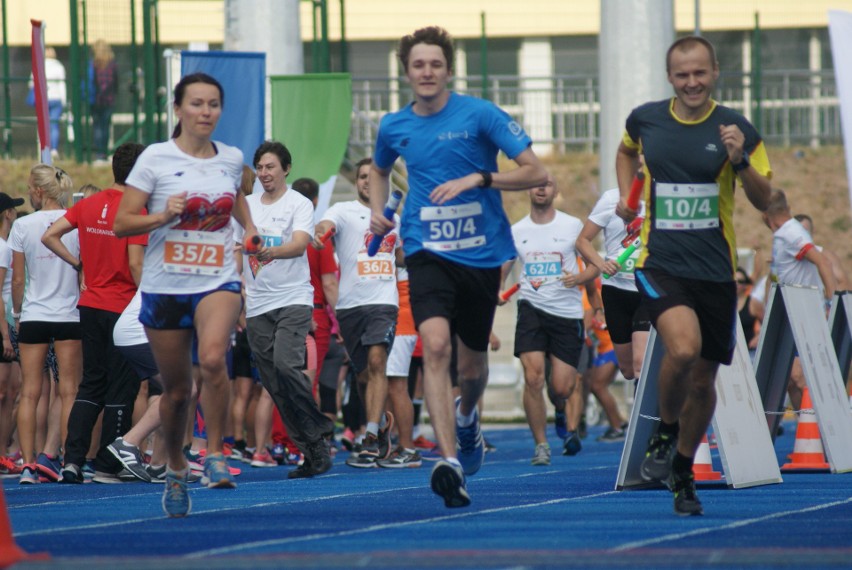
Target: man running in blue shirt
pixel 455 236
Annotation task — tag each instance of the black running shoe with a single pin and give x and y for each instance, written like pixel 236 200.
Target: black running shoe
pixel 385 445
pixel 657 464
pixel 448 482
pixel 686 501
pixel 320 457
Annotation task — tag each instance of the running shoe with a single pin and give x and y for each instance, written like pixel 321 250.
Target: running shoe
pixel 129 456
pixel 48 468
pixel 279 454
pixel 448 482
pixel 29 475
pixel 657 464
pixel 541 455
pixel 423 444
pixel 320 457
pixel 263 460
pixel 158 474
pixel 433 454
pixel 176 501
pixel 123 476
pixel 401 458
pixel 303 471
pixel 612 435
pixel 89 470
pixel 572 444
pixel 470 446
pixel 347 439
pixel 368 456
pixel 216 473
pixel 71 474
pixel 560 423
pixel 8 468
pixel 489 447
pixel 686 501
pixel 385 445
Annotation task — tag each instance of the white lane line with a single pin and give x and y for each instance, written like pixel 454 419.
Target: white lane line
pixel 736 524
pixel 388 526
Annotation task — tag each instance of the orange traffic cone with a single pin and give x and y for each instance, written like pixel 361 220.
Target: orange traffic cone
pixel 702 467
pixel 807 451
pixel 10 553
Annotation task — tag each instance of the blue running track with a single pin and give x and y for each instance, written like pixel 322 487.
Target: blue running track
pixel 564 515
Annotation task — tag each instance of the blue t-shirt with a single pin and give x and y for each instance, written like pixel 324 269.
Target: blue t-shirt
pixel 463 137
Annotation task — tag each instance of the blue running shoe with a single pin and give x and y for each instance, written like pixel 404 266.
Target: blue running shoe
pixel 470 446
pixel 448 482
pixel 560 423
pixel 572 444
pixel 48 468
pixel 216 473
pixel 176 501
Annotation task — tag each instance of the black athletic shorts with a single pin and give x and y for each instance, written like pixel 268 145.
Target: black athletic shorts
pixel 43 332
pixel 365 326
pixel 465 296
pixel 624 312
pixel 539 331
pixel 714 303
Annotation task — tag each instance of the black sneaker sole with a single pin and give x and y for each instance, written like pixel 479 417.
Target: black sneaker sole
pixel 447 483
pixel 654 473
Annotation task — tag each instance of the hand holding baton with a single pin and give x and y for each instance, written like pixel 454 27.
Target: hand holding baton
pixel 252 246
pixel 327 235
pixel 390 210
pixel 626 254
pixel 636 191
pixel 507 294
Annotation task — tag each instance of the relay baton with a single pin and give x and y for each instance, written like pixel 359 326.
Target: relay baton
pixel 634 228
pixel 390 210
pixel 636 191
pixel 626 254
pixel 252 245
pixel 327 235
pixel 507 294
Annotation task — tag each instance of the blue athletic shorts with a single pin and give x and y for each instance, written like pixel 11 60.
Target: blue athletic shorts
pixel 168 312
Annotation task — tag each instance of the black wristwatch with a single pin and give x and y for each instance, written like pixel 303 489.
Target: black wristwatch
pixel 79 267
pixel 486 179
pixel 742 164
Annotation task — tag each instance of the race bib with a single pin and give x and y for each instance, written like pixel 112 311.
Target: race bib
pixel 448 228
pixel 539 268
pixel 686 206
pixel 194 252
pixel 377 268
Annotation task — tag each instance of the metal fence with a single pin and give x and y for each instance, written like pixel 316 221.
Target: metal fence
pixel 794 107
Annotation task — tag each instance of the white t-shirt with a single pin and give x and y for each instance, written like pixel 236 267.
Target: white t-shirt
pixel 280 282
pixel 6 263
pixel 194 253
pixel 615 232
pixel 128 331
pixel 364 280
pixel 790 243
pixel 544 251
pixel 52 291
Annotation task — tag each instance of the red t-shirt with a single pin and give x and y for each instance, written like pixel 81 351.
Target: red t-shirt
pixel 109 284
pixel 321 261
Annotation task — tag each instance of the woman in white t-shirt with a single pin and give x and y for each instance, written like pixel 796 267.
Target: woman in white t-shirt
pixel 45 313
pixel 190 284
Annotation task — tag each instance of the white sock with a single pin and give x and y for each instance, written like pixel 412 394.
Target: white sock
pixel 465 421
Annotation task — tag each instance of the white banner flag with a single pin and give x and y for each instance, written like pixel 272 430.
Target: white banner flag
pixel 840 30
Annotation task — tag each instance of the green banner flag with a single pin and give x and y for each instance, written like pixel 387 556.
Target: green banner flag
pixel 311 115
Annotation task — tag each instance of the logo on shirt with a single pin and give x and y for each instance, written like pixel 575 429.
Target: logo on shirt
pixel 710 147
pixel 515 128
pixel 179 173
pixel 453 135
